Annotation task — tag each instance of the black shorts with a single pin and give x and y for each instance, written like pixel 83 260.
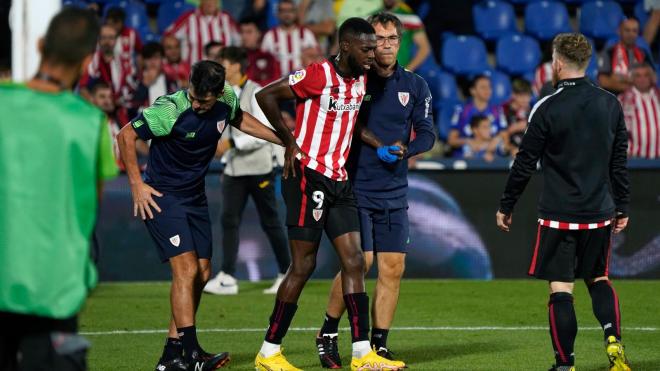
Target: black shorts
pixel 384 230
pixel 315 203
pixel 183 225
pixel 563 255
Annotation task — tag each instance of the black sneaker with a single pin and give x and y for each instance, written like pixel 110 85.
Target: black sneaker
pixel 208 361
pixel 385 353
pixel 328 352
pixel 176 364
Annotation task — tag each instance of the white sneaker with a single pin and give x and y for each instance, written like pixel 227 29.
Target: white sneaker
pixel 276 285
pixel 222 284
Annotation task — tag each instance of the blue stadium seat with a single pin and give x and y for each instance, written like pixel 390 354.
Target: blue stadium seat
pixel 146 35
pixel 493 19
pixel 136 12
pixel 169 11
pixel 517 54
pixel 519 2
pixel 443 116
pixel 501 84
pixel 600 19
pixel 464 55
pixel 641 14
pixel 545 19
pixel 592 68
pixel 75 3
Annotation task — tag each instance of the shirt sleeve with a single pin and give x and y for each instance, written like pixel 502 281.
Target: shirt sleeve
pixel 245 142
pixel 107 166
pixel 531 148
pixel 618 164
pixel 308 82
pixel 422 121
pixel 158 119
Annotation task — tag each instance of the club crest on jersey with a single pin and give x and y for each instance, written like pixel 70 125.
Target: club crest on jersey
pixel 175 240
pixel 404 97
pixel 221 126
pixel 317 213
pixel 297 77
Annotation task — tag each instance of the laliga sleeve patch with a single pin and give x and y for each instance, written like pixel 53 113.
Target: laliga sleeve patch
pixel 297 77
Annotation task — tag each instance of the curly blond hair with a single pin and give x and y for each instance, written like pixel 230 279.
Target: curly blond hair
pixel 573 48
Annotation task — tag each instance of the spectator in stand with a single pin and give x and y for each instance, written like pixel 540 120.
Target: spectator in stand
pixel 129 45
pixel 154 82
pixel 174 66
pixel 288 39
pixel 641 110
pixel 542 78
pixel 122 78
pixel 212 50
pixel 615 61
pixel 653 23
pixel 460 131
pixel 516 111
pixel 263 67
pixel 319 17
pixel 482 144
pixel 198 27
pixel 413 37
pixel 101 95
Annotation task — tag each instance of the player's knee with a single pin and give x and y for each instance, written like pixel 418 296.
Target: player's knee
pixel 204 273
pixel 354 264
pixel 391 270
pixel 189 273
pixel 303 268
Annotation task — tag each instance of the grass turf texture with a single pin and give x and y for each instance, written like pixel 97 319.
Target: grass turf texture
pixel 423 303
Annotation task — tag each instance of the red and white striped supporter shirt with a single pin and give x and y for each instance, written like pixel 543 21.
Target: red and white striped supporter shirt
pixel 128 46
pixel 642 114
pixel 120 75
pixel 326 111
pixel 542 75
pixel 195 30
pixel 287 46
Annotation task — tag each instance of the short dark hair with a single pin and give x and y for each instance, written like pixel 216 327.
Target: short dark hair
pixel 152 48
pixel 115 14
pixel 71 36
pixel 476 79
pixel 354 27
pixel 209 45
pixel 521 86
pixel 476 119
pixel 98 85
pixel 249 20
pixel 384 18
pixel 235 54
pixel 207 77
pixel 573 48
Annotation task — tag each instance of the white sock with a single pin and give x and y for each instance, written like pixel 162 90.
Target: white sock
pixel 361 348
pixel 269 349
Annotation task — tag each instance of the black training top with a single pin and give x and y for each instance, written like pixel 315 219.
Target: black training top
pixel 579 135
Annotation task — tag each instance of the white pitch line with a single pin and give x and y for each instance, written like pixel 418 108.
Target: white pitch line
pixel 306 329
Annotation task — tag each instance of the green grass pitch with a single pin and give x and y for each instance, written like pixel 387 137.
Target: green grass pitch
pixel 443 325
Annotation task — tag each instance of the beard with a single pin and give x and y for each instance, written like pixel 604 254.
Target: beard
pixel 356 67
pixel 555 77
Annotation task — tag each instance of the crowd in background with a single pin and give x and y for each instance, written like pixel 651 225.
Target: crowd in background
pixel 132 67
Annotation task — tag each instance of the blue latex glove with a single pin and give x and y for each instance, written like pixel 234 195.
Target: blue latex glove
pixel 385 155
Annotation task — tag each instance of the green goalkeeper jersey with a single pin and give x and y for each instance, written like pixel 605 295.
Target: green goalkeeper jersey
pixel 54 148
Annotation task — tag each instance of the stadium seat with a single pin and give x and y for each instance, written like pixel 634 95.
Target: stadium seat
pixel 493 19
pixel 75 3
pixel 517 54
pixel 545 19
pixel 464 55
pixel 169 11
pixel 444 113
pixel 146 35
pixel 136 13
pixel 501 85
pixel 600 19
pixel 641 14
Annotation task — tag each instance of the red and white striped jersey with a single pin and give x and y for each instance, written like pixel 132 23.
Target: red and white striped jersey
pixel 287 46
pixel 122 77
pixel 195 30
pixel 326 111
pixel 642 114
pixel 128 46
pixel 542 75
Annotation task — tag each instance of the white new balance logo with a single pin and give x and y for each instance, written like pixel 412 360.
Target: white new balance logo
pixel 199 366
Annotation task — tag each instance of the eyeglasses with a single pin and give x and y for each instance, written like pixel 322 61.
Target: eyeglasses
pixel 394 40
